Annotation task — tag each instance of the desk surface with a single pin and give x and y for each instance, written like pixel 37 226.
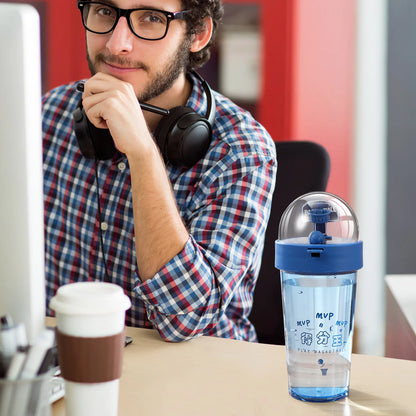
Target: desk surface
pixel 213 376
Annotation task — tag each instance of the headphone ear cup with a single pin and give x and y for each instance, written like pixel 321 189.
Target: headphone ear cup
pixel 183 136
pixel 93 142
pixel 82 133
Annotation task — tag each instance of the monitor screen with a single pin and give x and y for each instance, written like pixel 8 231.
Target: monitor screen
pixel 22 276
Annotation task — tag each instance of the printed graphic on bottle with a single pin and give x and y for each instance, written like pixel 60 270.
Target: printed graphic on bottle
pixel 318 312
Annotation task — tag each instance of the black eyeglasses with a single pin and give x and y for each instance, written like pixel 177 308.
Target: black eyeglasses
pixel 149 24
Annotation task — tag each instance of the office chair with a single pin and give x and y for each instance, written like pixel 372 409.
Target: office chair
pixel 303 167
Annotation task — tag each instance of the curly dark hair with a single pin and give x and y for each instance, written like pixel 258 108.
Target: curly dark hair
pixel 199 9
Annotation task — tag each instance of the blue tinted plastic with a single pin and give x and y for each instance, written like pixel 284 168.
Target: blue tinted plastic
pixel 319 321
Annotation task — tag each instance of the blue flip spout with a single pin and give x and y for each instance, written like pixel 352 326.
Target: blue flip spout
pixel 320 214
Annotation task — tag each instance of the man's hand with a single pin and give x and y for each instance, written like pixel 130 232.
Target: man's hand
pixel 111 103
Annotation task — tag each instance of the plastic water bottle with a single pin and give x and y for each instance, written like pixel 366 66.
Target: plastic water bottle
pixel 318 253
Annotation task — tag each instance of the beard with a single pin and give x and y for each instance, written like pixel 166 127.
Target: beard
pixel 162 80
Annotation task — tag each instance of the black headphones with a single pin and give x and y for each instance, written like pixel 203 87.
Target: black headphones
pixel 183 136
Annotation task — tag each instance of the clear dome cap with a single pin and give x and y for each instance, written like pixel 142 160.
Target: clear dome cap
pixel 320 217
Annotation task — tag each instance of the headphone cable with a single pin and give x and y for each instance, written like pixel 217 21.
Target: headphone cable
pixel 100 218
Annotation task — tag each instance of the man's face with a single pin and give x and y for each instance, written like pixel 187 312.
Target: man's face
pixel 150 66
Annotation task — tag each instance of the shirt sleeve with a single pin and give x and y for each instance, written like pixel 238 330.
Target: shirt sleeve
pixel 230 210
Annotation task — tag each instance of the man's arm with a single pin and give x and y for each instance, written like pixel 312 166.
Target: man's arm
pixel 159 231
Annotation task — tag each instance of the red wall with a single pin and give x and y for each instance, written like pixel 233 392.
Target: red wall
pixel 323 80
pixel 308 77
pixel 274 105
pixel 65 43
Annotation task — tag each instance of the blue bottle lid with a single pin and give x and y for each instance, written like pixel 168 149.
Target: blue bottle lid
pixel 336 257
pixel 318 234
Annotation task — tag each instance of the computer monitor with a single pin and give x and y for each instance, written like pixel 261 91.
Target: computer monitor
pixel 22 276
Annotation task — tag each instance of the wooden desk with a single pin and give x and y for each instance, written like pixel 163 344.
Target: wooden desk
pixel 213 377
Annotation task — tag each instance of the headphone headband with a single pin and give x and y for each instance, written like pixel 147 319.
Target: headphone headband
pixel 211 110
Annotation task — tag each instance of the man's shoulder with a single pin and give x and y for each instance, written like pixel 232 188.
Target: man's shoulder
pixel 62 97
pixel 238 128
pixel 58 105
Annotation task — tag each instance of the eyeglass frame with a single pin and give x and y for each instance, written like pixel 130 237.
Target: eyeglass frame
pixel 126 13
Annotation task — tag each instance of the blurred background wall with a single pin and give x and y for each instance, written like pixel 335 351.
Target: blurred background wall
pixel 340 73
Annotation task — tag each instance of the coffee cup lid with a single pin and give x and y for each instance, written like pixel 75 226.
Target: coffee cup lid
pixel 89 298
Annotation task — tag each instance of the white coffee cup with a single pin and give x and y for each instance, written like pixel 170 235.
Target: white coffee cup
pixel 90 319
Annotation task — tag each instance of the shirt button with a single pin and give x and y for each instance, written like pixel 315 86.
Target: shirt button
pixel 121 166
pixel 104 226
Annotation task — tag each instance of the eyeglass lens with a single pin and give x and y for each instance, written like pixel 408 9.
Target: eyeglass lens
pixel 148 24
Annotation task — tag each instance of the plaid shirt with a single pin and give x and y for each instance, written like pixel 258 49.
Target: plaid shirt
pixel 224 200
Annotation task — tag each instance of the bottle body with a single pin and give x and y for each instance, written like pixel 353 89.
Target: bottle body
pixel 319 321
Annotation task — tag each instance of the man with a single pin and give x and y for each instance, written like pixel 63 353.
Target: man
pixel 184 243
